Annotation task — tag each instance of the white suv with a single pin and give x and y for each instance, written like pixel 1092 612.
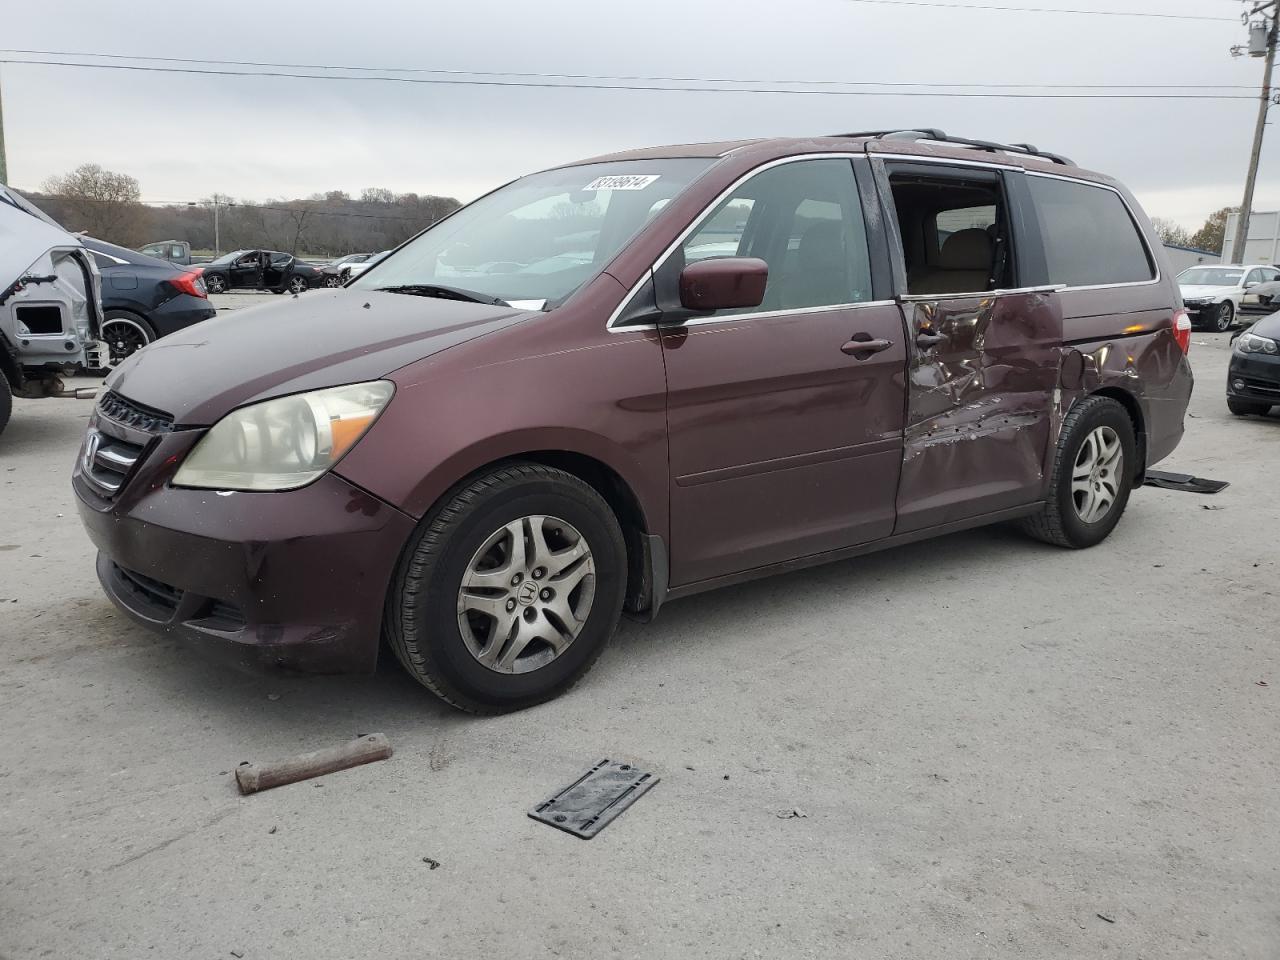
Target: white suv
pixel 1212 293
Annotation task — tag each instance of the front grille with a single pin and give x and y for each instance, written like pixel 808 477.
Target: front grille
pixel 115 407
pixel 112 452
pixel 108 461
pixel 151 592
pixel 223 616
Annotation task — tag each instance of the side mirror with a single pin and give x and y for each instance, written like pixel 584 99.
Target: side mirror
pixel 723 283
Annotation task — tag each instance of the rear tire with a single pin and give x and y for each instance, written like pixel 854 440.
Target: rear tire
pixel 1224 317
pixel 1083 477
pixel 438 620
pixel 215 282
pixel 1245 408
pixel 125 334
pixel 298 285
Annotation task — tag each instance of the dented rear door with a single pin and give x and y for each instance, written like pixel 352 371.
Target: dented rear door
pixel 980 403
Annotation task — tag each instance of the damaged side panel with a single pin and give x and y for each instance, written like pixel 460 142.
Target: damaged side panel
pixel 981 404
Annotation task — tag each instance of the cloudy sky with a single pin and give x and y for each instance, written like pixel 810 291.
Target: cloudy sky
pixel 187 136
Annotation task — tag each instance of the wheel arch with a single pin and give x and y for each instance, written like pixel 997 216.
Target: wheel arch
pixel 132 314
pixel 1133 407
pixel 647 563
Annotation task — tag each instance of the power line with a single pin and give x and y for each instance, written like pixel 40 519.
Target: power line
pixel 451 81
pixel 1003 9
pixel 620 78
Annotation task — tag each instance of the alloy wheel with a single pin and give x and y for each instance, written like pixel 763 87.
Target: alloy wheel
pixel 526 594
pixel 333 281
pixel 1096 476
pixel 1224 316
pixel 124 338
pixel 214 283
pixel 298 284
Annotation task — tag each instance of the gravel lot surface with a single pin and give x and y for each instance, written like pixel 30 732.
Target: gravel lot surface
pixel 996 749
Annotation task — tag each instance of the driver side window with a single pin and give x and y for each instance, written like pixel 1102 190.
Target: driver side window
pixel 804 219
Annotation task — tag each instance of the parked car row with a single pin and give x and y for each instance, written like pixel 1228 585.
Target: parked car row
pixel 1217 295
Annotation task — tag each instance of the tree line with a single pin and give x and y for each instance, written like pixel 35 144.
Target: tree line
pixel 107 205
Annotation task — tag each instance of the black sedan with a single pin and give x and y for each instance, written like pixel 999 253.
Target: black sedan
pixel 1253 376
pixel 260 270
pixel 143 298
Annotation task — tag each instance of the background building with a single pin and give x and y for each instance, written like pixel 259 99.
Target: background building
pixel 1263 243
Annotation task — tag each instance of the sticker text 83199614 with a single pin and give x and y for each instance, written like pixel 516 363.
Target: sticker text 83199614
pixel 630 182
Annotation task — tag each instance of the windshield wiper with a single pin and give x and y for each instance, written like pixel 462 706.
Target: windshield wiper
pixel 444 293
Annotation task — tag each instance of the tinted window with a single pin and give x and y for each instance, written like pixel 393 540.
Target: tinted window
pixel 1089 237
pixel 804 219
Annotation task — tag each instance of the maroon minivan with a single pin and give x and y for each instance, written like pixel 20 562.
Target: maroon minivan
pixel 623 381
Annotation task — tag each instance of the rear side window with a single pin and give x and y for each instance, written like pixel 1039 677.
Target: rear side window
pixel 1089 236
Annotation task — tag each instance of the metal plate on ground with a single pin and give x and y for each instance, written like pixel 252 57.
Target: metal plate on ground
pixel 1184 481
pixel 591 802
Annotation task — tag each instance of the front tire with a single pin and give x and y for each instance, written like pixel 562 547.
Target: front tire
pixel 332 281
pixel 1224 316
pixel 298 285
pixel 215 283
pixel 510 589
pixel 1244 408
pixel 1093 471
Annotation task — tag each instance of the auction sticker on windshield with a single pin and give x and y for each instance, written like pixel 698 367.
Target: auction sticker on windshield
pixel 632 182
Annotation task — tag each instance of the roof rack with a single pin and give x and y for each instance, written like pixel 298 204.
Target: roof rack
pixel 927 133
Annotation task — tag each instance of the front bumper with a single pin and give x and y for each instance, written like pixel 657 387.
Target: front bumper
pixel 1201 314
pixel 1254 377
pixel 294 579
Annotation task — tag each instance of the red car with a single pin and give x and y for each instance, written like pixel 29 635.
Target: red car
pixel 620 382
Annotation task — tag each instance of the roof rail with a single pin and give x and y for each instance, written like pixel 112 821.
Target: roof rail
pixel 929 133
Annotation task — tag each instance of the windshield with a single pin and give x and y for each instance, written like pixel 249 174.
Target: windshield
pixel 1210 277
pixel 543 236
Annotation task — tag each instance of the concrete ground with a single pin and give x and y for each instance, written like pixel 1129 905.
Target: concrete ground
pixel 997 750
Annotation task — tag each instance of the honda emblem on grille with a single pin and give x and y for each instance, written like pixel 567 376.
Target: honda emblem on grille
pixel 91 444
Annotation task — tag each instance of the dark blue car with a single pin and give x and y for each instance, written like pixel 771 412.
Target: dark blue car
pixel 144 299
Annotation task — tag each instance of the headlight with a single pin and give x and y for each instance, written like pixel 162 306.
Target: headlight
pixel 285 443
pixel 1252 343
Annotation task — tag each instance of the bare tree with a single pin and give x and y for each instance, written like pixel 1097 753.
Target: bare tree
pixel 1171 232
pixel 100 202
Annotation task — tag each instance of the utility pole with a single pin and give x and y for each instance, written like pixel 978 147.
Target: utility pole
pixel 1272 24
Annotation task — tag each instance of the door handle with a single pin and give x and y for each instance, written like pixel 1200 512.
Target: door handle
pixel 926 340
pixel 864 348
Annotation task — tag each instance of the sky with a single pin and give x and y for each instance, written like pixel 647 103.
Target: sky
pixel 185 137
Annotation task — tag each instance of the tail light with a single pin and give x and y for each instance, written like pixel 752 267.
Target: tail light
pixel 190 283
pixel 1182 329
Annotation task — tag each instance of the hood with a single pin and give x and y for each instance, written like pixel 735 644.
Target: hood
pixel 1268 326
pixel 1194 291
pixel 320 339
pixel 26 235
